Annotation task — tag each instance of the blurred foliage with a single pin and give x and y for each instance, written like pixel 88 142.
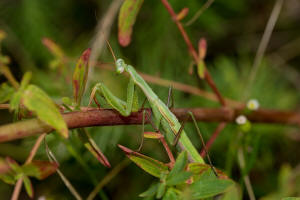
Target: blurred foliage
pixel 233 30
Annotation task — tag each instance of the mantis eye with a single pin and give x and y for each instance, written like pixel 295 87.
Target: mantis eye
pixel 120 64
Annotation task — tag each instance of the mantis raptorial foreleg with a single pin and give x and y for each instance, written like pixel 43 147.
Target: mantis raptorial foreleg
pixel 124 108
pixel 162 115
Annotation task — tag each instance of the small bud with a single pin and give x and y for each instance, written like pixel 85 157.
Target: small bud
pixel 202 46
pixel 244 124
pixel 2 35
pixel 241 119
pixel 182 14
pixel 53 47
pixel 252 104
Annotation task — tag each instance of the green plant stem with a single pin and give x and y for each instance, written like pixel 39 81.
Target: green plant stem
pixel 7 73
pixel 108 178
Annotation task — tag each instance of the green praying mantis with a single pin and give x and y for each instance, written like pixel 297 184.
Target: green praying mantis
pixel 162 115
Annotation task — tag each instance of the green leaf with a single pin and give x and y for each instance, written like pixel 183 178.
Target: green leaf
pixel 16 98
pixel 39 169
pixel 233 193
pixel 201 69
pixel 8 170
pixel 80 76
pixel 6 92
pixel 127 17
pixel 91 145
pixel 291 198
pixel 170 194
pixel 179 178
pixel 161 190
pixel 179 165
pixel 150 165
pixel 203 170
pixel 150 191
pixel 152 135
pixel 209 187
pixel 39 102
pixel 28 186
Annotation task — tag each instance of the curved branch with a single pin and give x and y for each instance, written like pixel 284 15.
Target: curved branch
pixel 108 117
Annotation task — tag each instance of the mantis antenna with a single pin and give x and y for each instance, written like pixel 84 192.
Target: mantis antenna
pixel 111 50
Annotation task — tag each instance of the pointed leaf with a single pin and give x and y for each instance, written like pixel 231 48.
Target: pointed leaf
pixel 39 102
pixel 170 194
pixel 205 188
pixel 28 186
pixel 161 190
pixel 150 165
pixel 80 75
pixel 6 173
pixel 201 69
pixel 4 167
pixel 233 193
pixel 179 178
pixel 151 191
pixel 152 135
pixel 179 165
pixel 91 145
pixel 6 92
pixel 182 14
pixel 16 98
pixel 200 170
pixel 40 169
pixel 127 17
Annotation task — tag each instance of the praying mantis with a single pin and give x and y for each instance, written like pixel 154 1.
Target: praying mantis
pixel 162 115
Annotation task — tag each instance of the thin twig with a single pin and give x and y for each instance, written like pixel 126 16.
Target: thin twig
pixel 108 178
pixel 199 12
pixel 213 137
pixel 264 42
pixel 246 178
pixel 168 150
pixel 63 178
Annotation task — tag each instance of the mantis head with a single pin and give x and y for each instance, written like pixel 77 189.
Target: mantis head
pixel 120 64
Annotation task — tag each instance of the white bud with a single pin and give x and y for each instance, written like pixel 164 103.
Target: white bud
pixel 241 119
pixel 252 104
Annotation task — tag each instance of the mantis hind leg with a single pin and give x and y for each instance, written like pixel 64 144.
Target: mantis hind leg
pixel 143 130
pixel 203 143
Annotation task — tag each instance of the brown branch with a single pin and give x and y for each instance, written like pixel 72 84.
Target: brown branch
pixel 108 117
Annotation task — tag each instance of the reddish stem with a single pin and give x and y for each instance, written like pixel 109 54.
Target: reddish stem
pixel 208 78
pixel 168 150
pixel 213 137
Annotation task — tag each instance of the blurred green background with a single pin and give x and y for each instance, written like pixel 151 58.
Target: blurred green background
pixel 233 30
